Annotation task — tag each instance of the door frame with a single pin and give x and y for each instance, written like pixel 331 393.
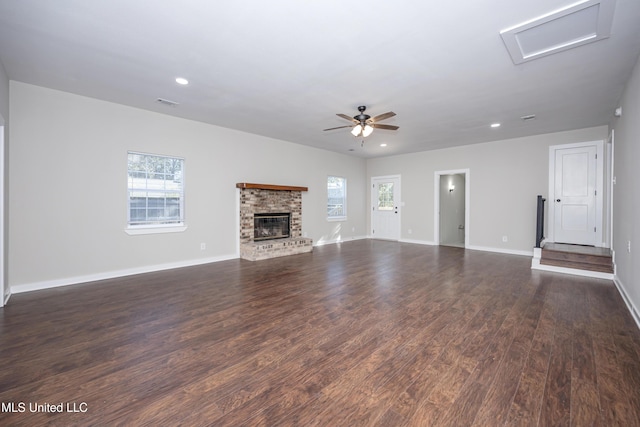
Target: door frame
pixel 436 202
pixel 600 195
pixel 372 201
pixel 610 181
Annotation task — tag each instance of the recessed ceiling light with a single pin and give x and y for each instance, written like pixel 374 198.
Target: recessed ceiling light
pixel 495 125
pixel 383 145
pixel 182 81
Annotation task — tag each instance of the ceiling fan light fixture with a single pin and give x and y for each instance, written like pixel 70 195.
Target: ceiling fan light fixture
pixel 362 125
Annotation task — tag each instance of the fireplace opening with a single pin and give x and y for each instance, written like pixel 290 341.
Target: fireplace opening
pixel 271 226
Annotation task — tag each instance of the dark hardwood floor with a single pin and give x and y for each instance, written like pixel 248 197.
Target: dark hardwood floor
pixel 363 333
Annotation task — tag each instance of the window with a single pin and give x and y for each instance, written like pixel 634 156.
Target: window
pixel 156 191
pixel 385 196
pixel 336 198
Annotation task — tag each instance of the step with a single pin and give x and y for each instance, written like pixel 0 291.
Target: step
pixel 578 257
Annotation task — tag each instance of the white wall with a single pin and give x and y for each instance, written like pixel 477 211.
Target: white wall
pixel 626 193
pixel 67 187
pixel 4 167
pixel 506 176
pixel 68 196
pixel 4 93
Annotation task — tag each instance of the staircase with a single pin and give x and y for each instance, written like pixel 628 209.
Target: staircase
pixel 586 258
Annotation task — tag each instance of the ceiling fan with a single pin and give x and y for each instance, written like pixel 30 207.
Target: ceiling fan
pixel 363 124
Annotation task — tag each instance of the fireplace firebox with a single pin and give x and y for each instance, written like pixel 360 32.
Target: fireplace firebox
pixel 268 226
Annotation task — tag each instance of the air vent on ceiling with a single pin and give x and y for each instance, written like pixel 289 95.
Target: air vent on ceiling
pixel 167 102
pixel 528 117
pixel 580 23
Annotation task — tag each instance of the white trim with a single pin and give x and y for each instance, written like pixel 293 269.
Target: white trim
pixel 337 219
pixel 611 171
pixel 499 250
pixel 238 222
pixel 154 229
pixel 635 313
pixel 419 242
pixel 472 247
pixel 47 284
pixel 436 203
pixel 323 242
pixel 599 188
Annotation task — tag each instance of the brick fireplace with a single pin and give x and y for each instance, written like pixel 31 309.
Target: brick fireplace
pixel 259 201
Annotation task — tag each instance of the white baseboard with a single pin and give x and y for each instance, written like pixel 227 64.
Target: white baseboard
pixel 499 250
pixel 47 284
pixel 418 242
pixel 323 242
pixel 635 313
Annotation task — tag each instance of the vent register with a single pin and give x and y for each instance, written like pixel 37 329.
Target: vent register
pixel 167 102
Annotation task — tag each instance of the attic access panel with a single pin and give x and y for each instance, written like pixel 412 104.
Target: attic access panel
pixel 578 24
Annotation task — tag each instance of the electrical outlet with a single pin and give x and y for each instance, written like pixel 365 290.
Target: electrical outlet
pixel 203 246
pixel 410 231
pixel 504 239
pixel 353 229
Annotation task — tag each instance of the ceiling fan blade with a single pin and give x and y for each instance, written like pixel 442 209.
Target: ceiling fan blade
pixel 383 126
pixel 339 127
pixel 381 117
pixel 344 116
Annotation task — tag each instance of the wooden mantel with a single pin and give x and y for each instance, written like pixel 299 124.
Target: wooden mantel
pixel 246 185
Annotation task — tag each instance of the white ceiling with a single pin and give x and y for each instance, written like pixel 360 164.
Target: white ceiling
pixel 284 68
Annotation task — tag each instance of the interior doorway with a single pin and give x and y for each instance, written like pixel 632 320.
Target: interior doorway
pixel 451 201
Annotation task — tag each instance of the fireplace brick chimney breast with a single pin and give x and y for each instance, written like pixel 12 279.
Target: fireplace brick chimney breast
pixel 265 199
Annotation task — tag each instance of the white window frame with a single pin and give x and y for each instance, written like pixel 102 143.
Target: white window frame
pixel 154 228
pixel 342 217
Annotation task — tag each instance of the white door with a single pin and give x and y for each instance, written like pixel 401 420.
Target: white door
pixel 574 196
pixel 385 215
